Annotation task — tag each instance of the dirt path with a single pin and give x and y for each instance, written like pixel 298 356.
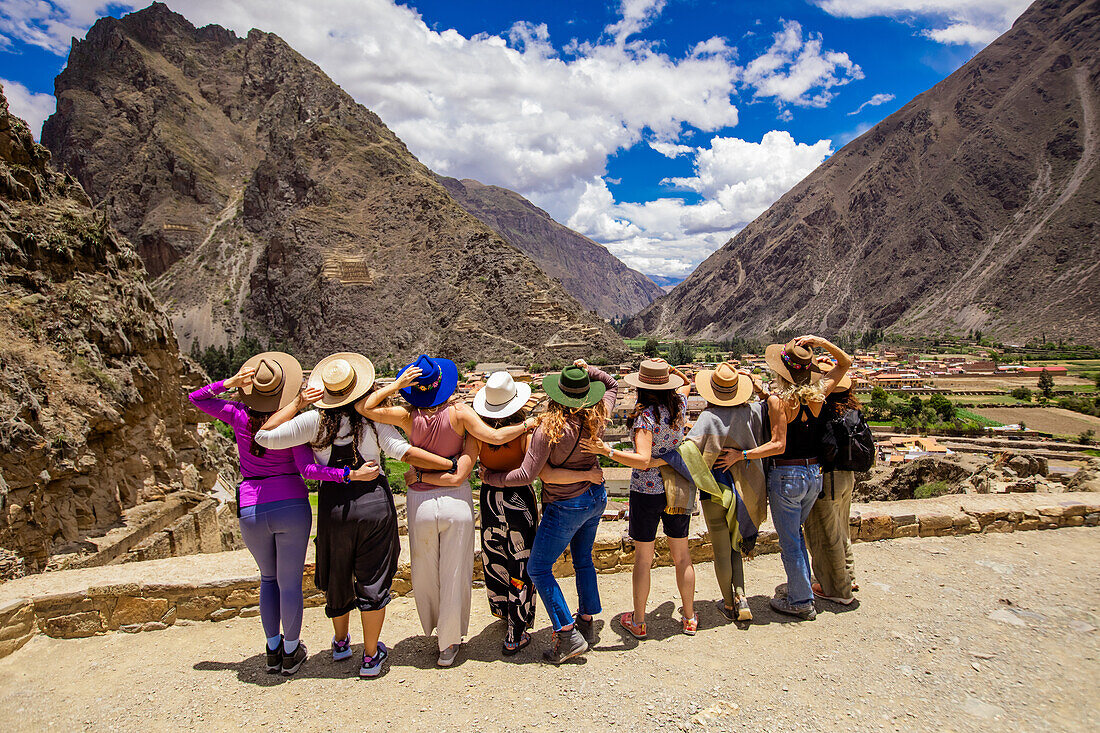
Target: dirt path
pixel 932 647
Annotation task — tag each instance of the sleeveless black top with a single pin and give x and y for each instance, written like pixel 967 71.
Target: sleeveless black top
pixel 804 435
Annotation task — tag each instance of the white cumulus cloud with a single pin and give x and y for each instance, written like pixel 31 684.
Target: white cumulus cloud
pixel 959 22
pixel 537 115
pixel 33 108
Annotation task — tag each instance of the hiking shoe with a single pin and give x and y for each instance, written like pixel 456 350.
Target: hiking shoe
pixel 447 656
pixel 274 658
pixel 566 645
pixel 587 628
pixel 372 666
pixel 804 611
pixel 292 661
pixel 727 612
pixel 744 613
pixel 341 650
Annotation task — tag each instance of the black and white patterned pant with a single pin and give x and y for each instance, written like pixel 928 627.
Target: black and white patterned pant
pixel 508 520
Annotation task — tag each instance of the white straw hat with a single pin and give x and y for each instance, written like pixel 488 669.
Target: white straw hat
pixel 501 396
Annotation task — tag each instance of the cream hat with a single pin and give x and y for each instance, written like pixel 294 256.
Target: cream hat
pixel 345 377
pixel 501 396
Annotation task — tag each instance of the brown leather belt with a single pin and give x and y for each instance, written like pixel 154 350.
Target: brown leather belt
pixel 795 462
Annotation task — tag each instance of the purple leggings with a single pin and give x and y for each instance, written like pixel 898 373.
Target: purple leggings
pixel 277 533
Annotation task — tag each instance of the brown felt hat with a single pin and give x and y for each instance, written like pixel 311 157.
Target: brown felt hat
pixel 826 366
pixel 275 383
pixel 345 377
pixel 653 374
pixel 724 386
pixel 792 362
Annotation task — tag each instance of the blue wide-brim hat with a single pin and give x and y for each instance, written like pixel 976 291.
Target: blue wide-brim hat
pixel 437 383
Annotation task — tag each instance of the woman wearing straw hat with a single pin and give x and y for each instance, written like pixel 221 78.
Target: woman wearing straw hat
pixel 794 481
pixel 272 505
pixel 581 399
pixel 658 425
pixel 827 534
pixel 441 517
pixel 357 539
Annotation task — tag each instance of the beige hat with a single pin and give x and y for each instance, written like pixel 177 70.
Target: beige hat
pixel 826 366
pixel 653 374
pixel 501 396
pixel 345 377
pixel 724 386
pixel 275 383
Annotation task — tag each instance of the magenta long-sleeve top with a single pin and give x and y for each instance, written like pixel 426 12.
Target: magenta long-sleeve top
pixel 277 474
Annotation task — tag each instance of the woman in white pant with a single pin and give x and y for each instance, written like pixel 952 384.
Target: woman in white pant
pixel 441 518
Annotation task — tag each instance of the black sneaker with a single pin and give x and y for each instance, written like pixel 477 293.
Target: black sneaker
pixel 292 661
pixel 275 658
pixel 587 628
pixel 566 645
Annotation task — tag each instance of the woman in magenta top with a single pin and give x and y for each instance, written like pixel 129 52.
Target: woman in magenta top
pixel 272 506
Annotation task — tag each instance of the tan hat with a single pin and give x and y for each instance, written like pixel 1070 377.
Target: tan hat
pixel 653 374
pixel 826 366
pixel 275 383
pixel 345 377
pixel 724 386
pixel 792 362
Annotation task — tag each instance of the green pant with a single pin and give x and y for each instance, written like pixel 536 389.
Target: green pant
pixel 728 568
pixel 827 535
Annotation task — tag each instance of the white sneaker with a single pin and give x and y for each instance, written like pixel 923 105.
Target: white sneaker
pixel 447 656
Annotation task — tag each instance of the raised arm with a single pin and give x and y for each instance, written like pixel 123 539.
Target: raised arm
pixel 306 397
pixel 371 405
pixel 476 427
pixel 843 361
pixel 231 413
pixel 470 449
pixel 300 430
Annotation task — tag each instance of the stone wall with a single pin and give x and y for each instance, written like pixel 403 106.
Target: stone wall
pixel 87 608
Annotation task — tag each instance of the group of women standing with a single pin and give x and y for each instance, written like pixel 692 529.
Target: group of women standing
pixel 340 443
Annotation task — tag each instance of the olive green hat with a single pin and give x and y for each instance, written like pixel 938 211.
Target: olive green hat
pixel 572 387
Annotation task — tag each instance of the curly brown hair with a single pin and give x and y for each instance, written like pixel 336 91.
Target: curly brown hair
pixel 330 426
pixel 256 419
pixel 553 421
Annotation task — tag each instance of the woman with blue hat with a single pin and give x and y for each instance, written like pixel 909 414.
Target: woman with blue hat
pixel 441 518
pixel 582 398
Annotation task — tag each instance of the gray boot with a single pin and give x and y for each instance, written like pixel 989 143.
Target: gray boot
pixel 566 645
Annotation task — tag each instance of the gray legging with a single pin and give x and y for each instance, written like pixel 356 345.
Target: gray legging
pixel 728 567
pixel 277 533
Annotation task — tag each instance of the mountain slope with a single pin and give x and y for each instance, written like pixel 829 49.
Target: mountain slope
pixel 266 199
pixel 91 379
pixel 974 206
pixel 591 274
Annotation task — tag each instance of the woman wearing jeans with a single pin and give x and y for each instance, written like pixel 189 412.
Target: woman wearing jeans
pixel 794 482
pixel 581 397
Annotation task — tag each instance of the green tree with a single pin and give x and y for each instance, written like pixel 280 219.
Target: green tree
pixel 471 365
pixel 651 347
pixel 535 368
pixel 680 352
pixel 944 407
pixel 1021 393
pixel 1046 384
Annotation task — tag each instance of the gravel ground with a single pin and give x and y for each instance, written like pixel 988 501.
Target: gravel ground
pixel 982 632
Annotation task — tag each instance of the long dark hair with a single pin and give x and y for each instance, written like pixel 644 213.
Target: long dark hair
pixel 666 398
pixel 330 426
pixel 499 422
pixel 255 420
pixel 840 402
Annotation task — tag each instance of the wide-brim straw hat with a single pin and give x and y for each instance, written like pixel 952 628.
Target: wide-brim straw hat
pixel 654 375
pixel 724 386
pixel 275 383
pixel 826 366
pixel 572 387
pixel 437 382
pixel 345 377
pixel 501 396
pixel 792 362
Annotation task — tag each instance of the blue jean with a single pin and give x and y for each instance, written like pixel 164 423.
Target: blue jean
pixel 792 491
pixel 568 523
pixel 277 533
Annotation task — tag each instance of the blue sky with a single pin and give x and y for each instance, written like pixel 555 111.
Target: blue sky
pixel 657 127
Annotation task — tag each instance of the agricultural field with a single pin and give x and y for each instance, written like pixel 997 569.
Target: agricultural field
pixel 1044 419
pixel 1006 382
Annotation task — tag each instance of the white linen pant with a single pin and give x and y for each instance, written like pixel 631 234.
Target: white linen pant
pixel 441 540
